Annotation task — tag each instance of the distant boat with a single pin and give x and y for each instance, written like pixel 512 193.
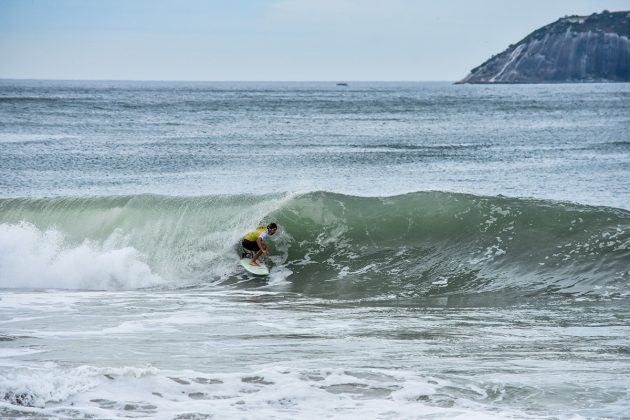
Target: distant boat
pixel 342 84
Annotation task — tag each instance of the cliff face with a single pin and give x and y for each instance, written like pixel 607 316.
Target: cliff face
pixel 592 48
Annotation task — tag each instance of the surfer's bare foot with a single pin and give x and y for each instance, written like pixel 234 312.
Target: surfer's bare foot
pixel 254 263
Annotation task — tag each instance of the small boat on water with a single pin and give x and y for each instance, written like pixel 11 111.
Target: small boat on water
pixel 342 84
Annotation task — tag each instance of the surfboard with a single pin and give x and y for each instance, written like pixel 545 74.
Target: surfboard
pixel 260 270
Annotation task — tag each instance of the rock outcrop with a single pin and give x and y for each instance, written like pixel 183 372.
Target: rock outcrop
pixel 573 49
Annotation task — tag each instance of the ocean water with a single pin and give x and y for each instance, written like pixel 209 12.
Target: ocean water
pixel 444 251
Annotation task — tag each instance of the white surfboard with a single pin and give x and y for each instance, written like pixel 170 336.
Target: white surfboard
pixel 259 270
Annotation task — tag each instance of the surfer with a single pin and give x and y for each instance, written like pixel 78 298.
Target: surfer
pixel 253 241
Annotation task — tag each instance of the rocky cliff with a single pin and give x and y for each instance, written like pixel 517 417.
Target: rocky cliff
pixel 593 48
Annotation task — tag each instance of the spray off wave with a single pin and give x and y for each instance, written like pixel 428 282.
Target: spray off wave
pixel 330 245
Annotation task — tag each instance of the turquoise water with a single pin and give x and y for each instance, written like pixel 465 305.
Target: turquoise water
pixel 444 251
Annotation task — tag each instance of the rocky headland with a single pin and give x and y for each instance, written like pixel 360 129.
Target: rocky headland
pixel 573 49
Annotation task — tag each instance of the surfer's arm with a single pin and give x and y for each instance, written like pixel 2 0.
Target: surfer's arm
pixel 261 245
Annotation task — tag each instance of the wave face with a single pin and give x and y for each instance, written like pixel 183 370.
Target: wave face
pixel 117 243
pixel 435 243
pixel 329 245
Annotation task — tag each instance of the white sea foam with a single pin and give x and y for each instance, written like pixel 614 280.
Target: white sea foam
pixel 253 353
pixel 7 352
pixel 278 277
pixel 268 391
pixel 32 258
pixel 37 387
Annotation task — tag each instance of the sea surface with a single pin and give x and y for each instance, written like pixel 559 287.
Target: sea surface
pixel 444 251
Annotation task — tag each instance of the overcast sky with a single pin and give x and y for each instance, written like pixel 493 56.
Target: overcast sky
pixel 388 40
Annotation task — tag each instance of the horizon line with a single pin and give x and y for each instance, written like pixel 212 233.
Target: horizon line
pixel 221 81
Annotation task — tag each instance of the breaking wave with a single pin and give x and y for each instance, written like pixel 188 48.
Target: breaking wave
pixel 329 245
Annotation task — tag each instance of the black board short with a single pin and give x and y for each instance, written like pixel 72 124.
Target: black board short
pixel 250 245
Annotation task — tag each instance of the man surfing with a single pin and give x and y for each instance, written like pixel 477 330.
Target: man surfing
pixel 253 241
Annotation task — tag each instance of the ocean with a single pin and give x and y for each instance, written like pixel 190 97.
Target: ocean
pixel 444 251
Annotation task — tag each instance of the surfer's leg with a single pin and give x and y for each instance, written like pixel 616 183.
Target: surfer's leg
pixel 250 248
pixel 253 261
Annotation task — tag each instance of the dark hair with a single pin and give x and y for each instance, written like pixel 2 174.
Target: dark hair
pixel 272 226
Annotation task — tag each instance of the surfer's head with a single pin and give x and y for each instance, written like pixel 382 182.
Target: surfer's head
pixel 272 228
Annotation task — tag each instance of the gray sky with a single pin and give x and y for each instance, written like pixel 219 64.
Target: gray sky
pixel 287 40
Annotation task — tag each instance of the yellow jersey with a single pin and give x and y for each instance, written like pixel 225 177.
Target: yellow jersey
pixel 252 236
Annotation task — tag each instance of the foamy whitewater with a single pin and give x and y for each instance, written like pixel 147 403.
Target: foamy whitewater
pixel 444 251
